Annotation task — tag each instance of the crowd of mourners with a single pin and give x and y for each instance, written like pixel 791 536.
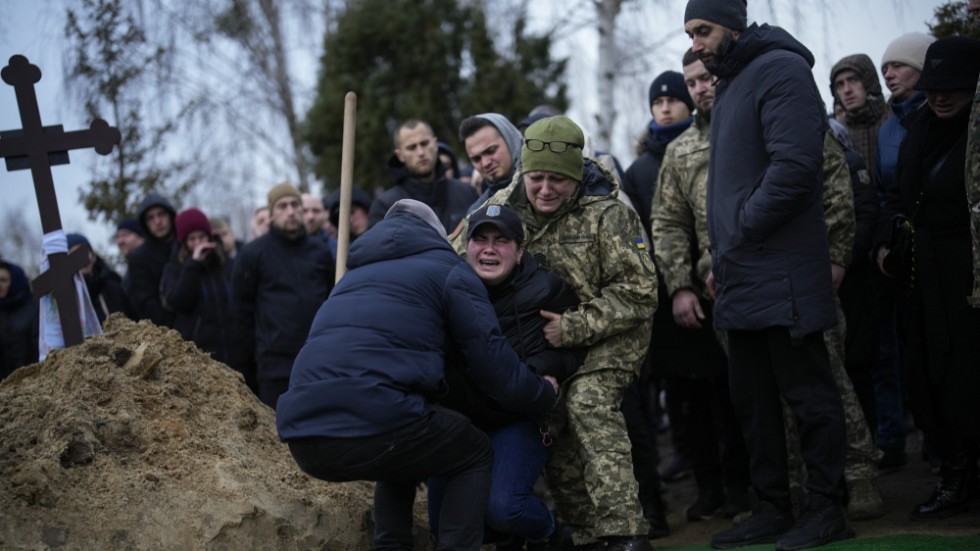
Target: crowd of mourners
pixel 798 287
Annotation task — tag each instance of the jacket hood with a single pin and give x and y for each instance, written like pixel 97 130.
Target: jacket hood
pixel 154 200
pixel 20 288
pixel 513 138
pixel 753 42
pixel 399 234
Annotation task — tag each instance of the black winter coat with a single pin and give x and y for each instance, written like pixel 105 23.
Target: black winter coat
pixel 142 284
pixel 199 293
pixel 518 302
pixel 641 177
pixel 942 329
pixel 277 286
pixel 770 256
pixel 448 198
pixel 18 323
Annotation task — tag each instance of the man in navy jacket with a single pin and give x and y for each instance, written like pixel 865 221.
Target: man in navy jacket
pixel 358 404
pixel 771 267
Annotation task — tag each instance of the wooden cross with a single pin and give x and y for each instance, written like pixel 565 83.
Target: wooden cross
pixel 38 147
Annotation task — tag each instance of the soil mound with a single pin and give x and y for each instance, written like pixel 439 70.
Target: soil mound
pixel 137 440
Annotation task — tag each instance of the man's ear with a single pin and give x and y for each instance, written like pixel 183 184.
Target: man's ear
pixel 398 155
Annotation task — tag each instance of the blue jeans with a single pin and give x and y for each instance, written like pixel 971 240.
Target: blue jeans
pixel 444 444
pixel 519 458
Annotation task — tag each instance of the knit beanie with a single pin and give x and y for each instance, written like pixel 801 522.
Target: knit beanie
pixel 908 49
pixel 419 210
pixel 131 224
pixel 670 84
pixel 554 129
pixel 278 191
pixel 732 14
pixel 862 65
pixel 952 63
pixel 77 239
pixel 189 221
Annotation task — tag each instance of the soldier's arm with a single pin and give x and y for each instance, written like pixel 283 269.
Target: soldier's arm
pixel 629 294
pixel 838 202
pixel 673 232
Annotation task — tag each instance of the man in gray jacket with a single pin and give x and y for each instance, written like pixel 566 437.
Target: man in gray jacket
pixel 771 272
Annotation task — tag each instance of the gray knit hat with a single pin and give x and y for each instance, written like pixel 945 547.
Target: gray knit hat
pixel 908 49
pixel 732 14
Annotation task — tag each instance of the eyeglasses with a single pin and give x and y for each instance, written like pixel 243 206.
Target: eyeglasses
pixel 555 147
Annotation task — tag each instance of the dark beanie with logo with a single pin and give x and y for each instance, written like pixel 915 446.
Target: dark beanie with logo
pixel 952 63
pixel 670 84
pixel 732 14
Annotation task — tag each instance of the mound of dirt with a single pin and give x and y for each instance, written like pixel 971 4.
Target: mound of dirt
pixel 137 440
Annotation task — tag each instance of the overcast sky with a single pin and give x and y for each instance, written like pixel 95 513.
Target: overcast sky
pixel 31 28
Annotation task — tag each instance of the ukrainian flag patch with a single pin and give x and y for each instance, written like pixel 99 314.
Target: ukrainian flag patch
pixel 640 244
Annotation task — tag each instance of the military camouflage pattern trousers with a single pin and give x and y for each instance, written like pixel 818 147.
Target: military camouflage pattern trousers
pixel 861 456
pixel 590 471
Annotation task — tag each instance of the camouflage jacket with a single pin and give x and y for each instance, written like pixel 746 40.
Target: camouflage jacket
pixel 679 217
pixel 594 243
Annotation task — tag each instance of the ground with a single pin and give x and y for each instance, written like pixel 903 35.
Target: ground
pixel 900 490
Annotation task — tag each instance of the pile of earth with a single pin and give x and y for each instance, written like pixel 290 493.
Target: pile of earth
pixel 137 440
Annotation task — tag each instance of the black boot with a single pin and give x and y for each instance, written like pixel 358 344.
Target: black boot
pixel 949 498
pixel 766 525
pixel 821 522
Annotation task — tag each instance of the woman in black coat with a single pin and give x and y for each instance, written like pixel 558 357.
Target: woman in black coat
pixel 196 287
pixel 942 330
pixel 18 320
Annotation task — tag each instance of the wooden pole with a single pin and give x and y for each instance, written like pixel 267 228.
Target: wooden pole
pixel 346 183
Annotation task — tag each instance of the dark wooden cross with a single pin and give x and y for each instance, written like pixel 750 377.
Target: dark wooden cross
pixel 38 148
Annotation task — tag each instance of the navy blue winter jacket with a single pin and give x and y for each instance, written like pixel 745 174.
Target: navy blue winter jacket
pixel 770 256
pixel 376 351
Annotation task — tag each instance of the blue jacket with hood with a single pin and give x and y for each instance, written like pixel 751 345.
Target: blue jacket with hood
pixel 375 354
pixel 770 255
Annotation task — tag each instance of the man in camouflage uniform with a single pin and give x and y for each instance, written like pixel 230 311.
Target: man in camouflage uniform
pixel 679 226
pixel 577 228
pixel 973 177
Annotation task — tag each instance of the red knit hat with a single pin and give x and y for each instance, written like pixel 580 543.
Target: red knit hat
pixel 191 220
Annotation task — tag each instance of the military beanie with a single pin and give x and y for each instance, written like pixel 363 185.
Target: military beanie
pixel 554 132
pixel 732 14
pixel 908 49
pixel 278 191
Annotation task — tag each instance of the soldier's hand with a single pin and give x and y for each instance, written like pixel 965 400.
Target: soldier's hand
pixel 837 273
pixel 553 381
pixel 710 285
pixel 687 309
pixel 552 329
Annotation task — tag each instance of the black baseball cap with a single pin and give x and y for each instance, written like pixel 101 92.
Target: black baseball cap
pixel 502 217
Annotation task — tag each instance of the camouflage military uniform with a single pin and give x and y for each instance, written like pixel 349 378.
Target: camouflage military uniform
pixel 593 243
pixel 973 191
pixel 680 217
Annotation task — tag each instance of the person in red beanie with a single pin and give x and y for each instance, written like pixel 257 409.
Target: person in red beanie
pixel 196 287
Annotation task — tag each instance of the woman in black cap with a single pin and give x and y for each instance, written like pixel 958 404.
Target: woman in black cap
pixel 942 330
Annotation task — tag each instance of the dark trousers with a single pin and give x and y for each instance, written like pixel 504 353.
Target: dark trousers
pixel 715 437
pixel 767 364
pixel 643 446
pixel 443 444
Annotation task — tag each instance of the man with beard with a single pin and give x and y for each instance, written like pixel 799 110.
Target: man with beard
pixel 278 284
pixel 771 268
pixel 419 174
